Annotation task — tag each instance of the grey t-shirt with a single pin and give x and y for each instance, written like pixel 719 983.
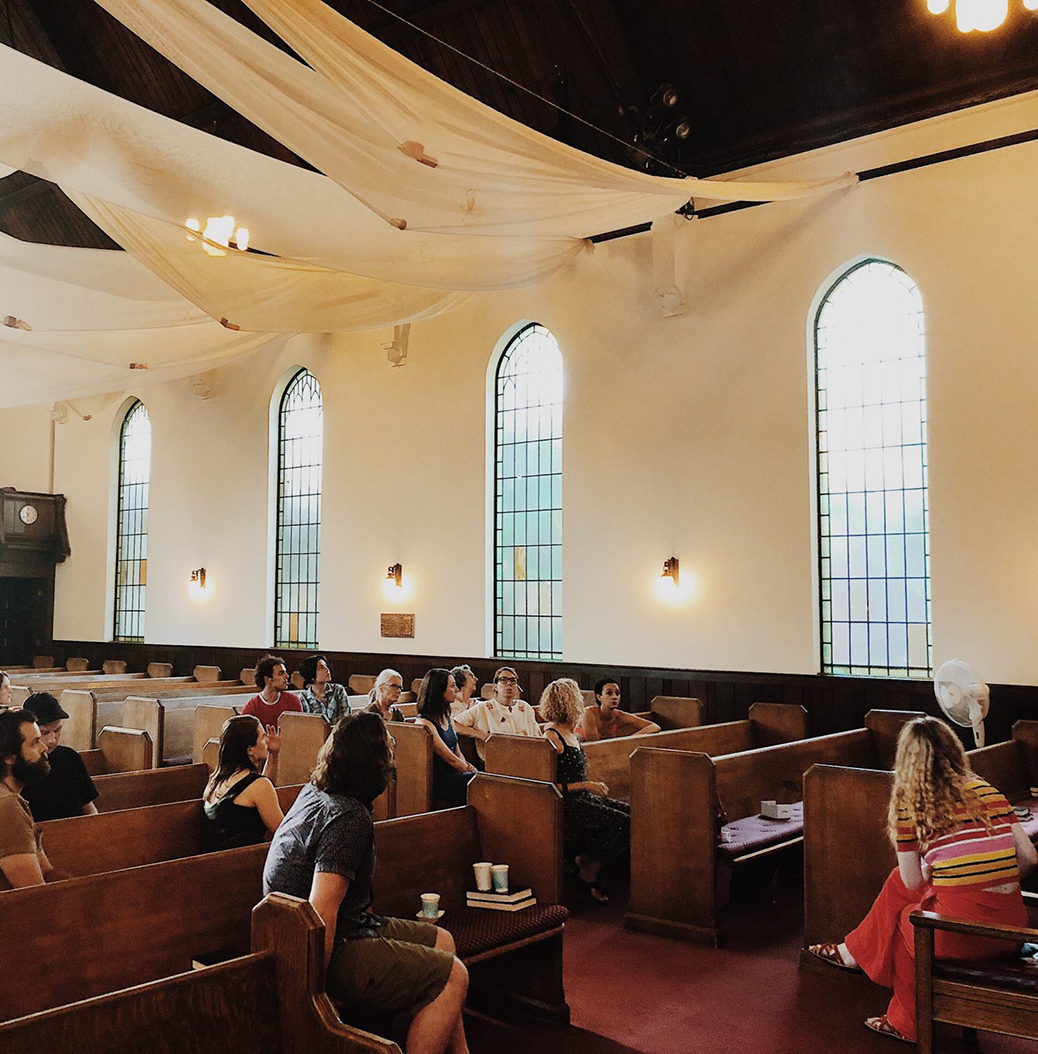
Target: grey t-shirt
pixel 326 832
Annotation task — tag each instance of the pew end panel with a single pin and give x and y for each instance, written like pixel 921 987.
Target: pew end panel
pixel 160 670
pixel 414 768
pixel 209 720
pixel 676 711
pixel 526 757
pixel 77 665
pixel 290 929
pixel 1005 767
pixel 673 845
pixel 994 995
pixel 885 726
pixel 206 674
pixel 247 675
pixel 847 853
pixel 80 730
pixel 211 755
pixel 126 749
pixel 132 790
pixel 520 821
pixel 302 736
pixel 775 723
pixel 361 683
pixel 110 666
pixel 149 715
pixel 43 662
pixel 93 761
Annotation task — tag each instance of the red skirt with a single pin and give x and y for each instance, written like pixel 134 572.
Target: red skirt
pixel 884 943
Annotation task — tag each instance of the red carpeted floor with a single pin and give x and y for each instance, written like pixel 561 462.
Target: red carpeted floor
pixel 631 992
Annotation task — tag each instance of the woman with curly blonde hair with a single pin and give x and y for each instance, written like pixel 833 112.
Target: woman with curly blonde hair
pixel 596 828
pixel 960 852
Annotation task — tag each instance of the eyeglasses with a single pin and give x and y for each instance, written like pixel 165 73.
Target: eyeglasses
pixel 398 687
pixel 508 680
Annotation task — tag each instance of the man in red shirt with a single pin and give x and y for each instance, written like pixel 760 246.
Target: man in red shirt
pixel 272 700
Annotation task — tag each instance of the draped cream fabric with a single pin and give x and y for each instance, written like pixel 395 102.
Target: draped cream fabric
pixel 85 139
pixel 263 293
pixel 415 150
pixel 92 313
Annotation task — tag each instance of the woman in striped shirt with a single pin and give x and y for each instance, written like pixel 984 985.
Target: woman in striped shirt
pixel 960 852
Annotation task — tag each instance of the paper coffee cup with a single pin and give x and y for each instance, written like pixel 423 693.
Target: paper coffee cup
pixel 430 905
pixel 482 871
pixel 499 878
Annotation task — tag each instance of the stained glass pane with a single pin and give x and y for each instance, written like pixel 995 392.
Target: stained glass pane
pixel 528 498
pixel 871 426
pixel 300 449
pixel 131 561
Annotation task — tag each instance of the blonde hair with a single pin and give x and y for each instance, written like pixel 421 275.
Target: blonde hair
pixel 562 701
pixel 930 775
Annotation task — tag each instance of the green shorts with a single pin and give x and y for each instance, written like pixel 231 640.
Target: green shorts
pixel 399 970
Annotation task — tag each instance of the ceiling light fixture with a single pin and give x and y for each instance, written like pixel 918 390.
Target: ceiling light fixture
pixel 218 231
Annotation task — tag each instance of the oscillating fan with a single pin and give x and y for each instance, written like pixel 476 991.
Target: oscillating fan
pixel 963 696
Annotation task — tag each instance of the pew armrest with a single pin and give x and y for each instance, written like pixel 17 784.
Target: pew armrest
pixel 930 920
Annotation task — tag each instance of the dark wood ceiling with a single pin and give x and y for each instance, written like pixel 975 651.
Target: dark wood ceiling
pixel 755 79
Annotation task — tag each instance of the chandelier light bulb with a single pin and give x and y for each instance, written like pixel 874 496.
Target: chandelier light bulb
pixel 937 7
pixel 241 238
pixel 984 15
pixel 1031 5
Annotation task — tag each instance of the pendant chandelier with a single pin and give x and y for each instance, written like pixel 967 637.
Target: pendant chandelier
pixel 983 15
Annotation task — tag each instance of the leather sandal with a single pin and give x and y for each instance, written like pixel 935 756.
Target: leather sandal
pixel 883 1026
pixel 830 953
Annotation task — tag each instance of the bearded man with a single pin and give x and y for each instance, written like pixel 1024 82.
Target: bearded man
pixel 23 761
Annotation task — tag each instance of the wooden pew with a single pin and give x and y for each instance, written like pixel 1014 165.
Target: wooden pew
pixel 608 760
pixel 995 996
pixel 847 854
pixel 112 841
pixel 675 711
pixel 118 750
pixel 209 719
pixel 131 790
pixel 676 881
pixel 277 989
pixel 109 931
pixel 361 683
pixel 302 736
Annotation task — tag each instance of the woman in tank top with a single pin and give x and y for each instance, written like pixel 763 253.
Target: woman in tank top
pixel 451 772
pixel 240 802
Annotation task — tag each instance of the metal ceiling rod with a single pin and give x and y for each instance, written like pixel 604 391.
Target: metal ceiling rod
pixel 924 161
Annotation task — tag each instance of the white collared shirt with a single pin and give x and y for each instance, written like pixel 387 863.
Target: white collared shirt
pixel 488 715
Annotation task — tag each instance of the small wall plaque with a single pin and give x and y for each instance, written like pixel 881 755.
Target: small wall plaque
pixel 397 625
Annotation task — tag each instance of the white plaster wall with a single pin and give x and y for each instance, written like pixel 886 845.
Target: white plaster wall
pixel 689 437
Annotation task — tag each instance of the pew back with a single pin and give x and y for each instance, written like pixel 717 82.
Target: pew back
pixel 109 931
pixel 676 711
pixel 302 736
pixel 131 790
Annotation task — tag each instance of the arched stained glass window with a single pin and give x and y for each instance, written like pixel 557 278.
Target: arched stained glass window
pixel 300 450
pixel 528 498
pixel 131 560
pixel 874 550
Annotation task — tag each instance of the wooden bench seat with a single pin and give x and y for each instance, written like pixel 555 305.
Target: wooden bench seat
pixel 678 884
pixel 109 931
pixel 111 841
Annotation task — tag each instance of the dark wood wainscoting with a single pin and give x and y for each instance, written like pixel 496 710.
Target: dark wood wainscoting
pixel 833 703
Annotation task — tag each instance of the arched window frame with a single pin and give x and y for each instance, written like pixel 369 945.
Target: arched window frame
pixel 540 505
pixel 901 548
pixel 297 529
pixel 133 487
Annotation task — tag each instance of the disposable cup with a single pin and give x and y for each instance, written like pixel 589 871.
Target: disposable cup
pixel 430 905
pixel 499 878
pixel 483 881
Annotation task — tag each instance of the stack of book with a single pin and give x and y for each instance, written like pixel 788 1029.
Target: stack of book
pixel 522 898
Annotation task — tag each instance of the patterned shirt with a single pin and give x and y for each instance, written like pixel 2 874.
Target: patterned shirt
pixel 966 854
pixel 333 706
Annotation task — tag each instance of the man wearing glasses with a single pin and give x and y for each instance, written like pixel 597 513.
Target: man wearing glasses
pixel 505 713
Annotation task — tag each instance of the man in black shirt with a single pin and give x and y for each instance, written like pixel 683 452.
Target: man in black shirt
pixel 324 851
pixel 66 790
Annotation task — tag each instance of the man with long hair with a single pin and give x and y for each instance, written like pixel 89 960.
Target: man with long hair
pixel 324 851
pixel 23 761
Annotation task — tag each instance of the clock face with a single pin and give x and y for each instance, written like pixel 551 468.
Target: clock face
pixel 28 514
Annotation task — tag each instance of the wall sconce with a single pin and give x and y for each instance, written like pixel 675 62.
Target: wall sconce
pixel 670 570
pixel 395 574
pixel 197 585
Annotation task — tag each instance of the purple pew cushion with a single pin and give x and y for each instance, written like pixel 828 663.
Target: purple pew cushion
pixel 478 930
pixel 757 832
pixel 1030 826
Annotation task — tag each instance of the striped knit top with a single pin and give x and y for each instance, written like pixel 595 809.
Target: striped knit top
pixel 966 854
